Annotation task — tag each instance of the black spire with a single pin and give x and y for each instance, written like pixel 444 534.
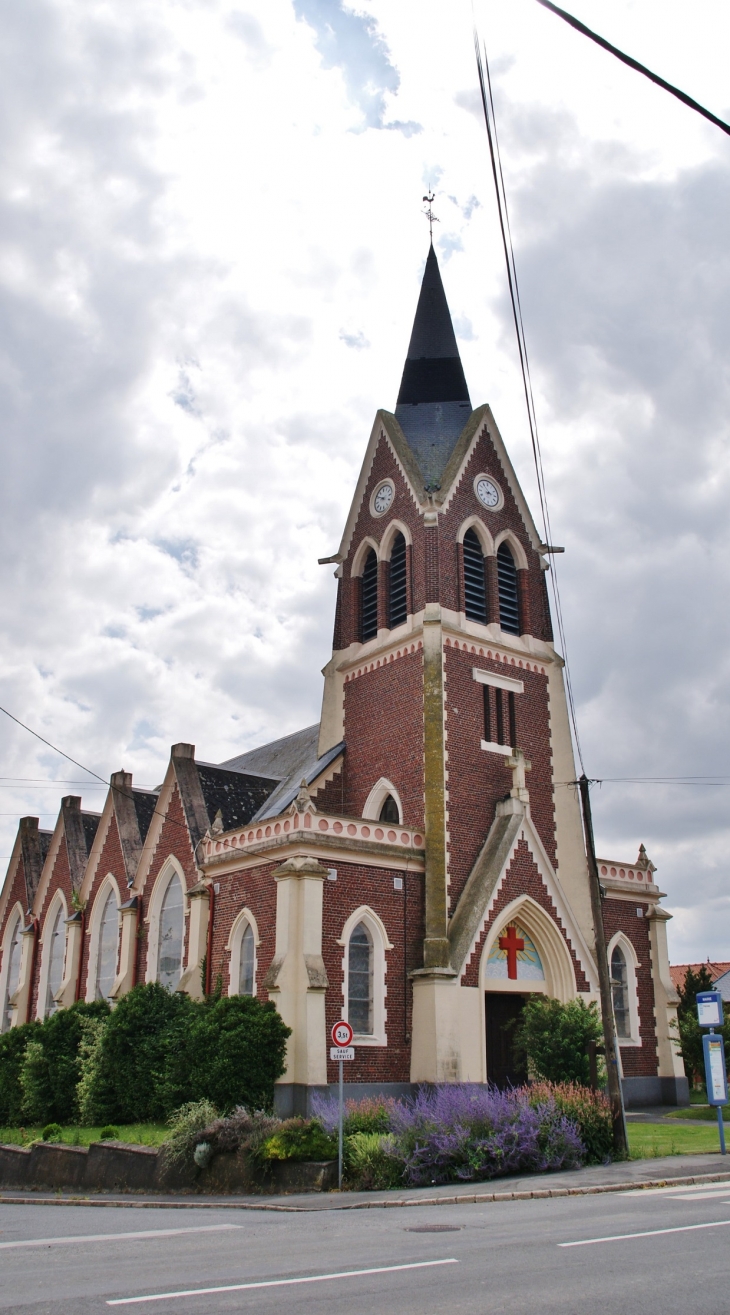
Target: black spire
pixel 433 402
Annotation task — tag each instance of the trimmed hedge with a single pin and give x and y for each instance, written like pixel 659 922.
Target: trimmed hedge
pixel 51 1069
pixel 12 1053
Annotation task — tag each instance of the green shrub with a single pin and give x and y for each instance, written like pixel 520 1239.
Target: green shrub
pixel 553 1037
pixel 371 1163
pixel 50 1069
pixel 109 1133
pixel 589 1110
pixel 186 1126
pixel 52 1132
pixel 369 1115
pixel 12 1052
pixel 88 1086
pixel 129 1079
pixel 230 1051
pixel 299 1139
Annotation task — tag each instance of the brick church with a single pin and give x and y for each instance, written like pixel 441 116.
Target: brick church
pixel 414 862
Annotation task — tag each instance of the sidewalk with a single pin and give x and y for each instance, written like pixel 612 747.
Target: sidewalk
pixel 670 1169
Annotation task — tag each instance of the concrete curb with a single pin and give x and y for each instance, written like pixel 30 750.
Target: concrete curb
pixel 477 1198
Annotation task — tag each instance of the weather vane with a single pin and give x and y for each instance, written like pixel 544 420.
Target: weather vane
pixel 432 218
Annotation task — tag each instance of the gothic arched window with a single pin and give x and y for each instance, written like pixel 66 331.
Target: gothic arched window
pixel 106 955
pixel 169 954
pixel 389 811
pixel 247 963
pixel 620 989
pixel 56 954
pixel 13 951
pixel 398 602
pixel 509 608
pixel 369 605
pixel 360 981
pixel 475 586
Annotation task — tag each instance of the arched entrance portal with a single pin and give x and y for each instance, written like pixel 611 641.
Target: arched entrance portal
pixel 523 954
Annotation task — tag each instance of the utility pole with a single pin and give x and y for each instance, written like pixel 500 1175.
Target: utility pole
pixel 620 1140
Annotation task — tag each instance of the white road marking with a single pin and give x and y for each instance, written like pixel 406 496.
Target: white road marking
pixel 702 1196
pixel 651 1232
pixel 280 1282
pixel 116 1237
pixel 671 1190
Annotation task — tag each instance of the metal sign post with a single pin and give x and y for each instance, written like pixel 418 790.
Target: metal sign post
pixel 710 1014
pixel 341 1050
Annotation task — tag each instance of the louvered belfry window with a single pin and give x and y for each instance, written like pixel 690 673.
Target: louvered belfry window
pixel 475 588
pixel 369 619
pixel 509 609
pixel 398 592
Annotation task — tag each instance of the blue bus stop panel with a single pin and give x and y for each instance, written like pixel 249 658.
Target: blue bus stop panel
pixel 715 1071
pixel 709 1009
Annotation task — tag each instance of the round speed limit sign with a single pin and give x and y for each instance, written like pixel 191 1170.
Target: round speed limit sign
pixel 341 1034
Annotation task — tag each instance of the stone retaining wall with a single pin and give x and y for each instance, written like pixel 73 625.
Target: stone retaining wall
pixel 113 1166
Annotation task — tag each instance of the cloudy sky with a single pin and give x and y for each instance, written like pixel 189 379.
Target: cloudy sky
pixel 211 243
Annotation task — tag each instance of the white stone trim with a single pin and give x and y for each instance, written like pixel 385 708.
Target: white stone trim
pixel 386 543
pixel 477 525
pixel 58 902
pixel 490 747
pixel 94 930
pixel 376 799
pixel 15 918
pixel 358 562
pixel 499 682
pixel 381 944
pixel 513 543
pixel 632 963
pixel 550 944
pixel 242 920
pixel 170 868
pixel 235 843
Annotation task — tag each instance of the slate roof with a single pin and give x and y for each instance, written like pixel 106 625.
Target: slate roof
pixel 238 795
pixel 289 760
pixel 145 802
pixel 433 401
pixel 90 823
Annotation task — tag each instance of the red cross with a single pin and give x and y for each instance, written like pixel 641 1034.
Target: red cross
pixel 511 943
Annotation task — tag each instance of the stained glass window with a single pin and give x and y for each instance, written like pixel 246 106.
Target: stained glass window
pixel 11 982
pixel 56 955
pixel 360 981
pixel 169 958
pixel 106 958
pixel 620 988
pixel 246 984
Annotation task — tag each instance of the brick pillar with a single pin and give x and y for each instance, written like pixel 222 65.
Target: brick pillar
pixel 432 558
pixel 383 595
pixel 523 599
pixel 490 564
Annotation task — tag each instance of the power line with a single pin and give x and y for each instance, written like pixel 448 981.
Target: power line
pixel 634 64
pixel 485 85
pixel 53 746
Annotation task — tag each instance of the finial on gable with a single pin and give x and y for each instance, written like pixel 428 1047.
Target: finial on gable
pixel 303 802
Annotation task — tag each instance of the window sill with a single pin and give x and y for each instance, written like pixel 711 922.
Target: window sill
pixel 369 1040
pixel 496 748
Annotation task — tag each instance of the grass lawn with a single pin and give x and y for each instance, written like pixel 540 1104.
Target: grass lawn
pixel 141 1134
pixel 706 1113
pixel 648 1140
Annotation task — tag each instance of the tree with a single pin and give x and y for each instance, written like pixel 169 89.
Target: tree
pixel 690 1032
pixel 554 1038
pixel 231 1052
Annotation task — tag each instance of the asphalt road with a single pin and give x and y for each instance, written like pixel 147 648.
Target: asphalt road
pixel 665 1250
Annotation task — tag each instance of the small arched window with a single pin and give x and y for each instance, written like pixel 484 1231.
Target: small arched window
pixel 169 955
pixel 620 989
pixel 13 952
pixel 389 811
pixel 56 955
pixel 509 608
pixel 360 981
pixel 369 595
pixel 475 586
pixel 247 963
pixel 398 603
pixel 106 955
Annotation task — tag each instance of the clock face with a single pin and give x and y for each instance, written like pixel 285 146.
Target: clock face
pixel 383 499
pixel 487 492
